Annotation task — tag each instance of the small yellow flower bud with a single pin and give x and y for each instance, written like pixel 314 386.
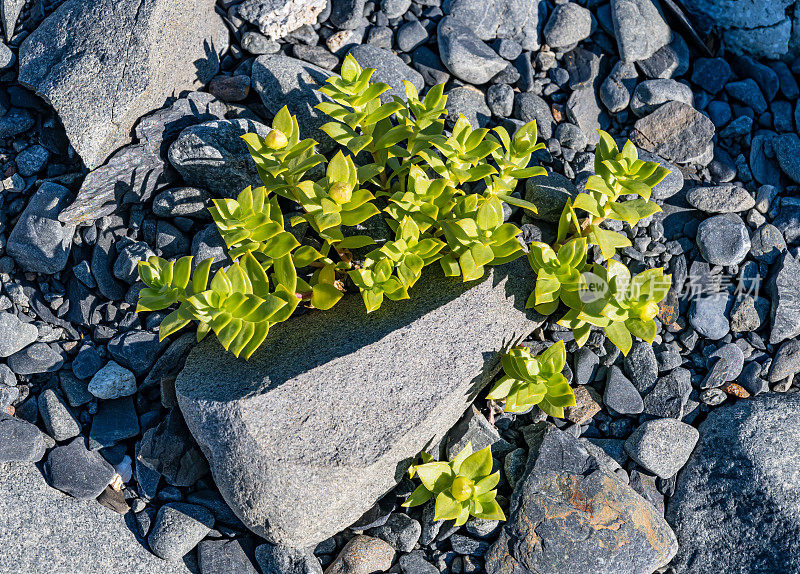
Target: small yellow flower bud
pixel 462 488
pixel 276 139
pixel 340 193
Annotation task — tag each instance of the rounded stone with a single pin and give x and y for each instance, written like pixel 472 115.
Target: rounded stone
pixel 178 528
pixel 723 239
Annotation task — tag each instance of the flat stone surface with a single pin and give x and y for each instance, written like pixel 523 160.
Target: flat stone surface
pixel 20 441
pixel 662 446
pixel 79 472
pixel 675 131
pixel 270 428
pixel 149 50
pixel 784 294
pixel 14 334
pixel 178 528
pixel 735 503
pixel 490 19
pixel 639 28
pixel 466 56
pixel 720 199
pixel 568 514
pixel 68 532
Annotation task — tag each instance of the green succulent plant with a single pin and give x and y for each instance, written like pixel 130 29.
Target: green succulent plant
pixel 534 380
pixel 463 487
pixel 555 272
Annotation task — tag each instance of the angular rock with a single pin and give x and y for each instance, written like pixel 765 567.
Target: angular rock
pixel 568 514
pixel 650 94
pixel 639 28
pixel 81 473
pixel 641 366
pixel 709 315
pixel 616 89
pixel 549 193
pixel 283 81
pixel 528 107
pixel 277 18
pixel 39 242
pixel 620 395
pixel 112 382
pixel 584 110
pixel 36 358
pixel 787 150
pixel 473 428
pixel 674 131
pixel 148 52
pixel 401 531
pixel 466 56
pixel 390 69
pixel 742 477
pixel 784 291
pixel 786 362
pixel 711 73
pixel 282 560
pixel 14 334
pixel 224 557
pixel 115 420
pixel 178 528
pixel 568 24
pixel 170 450
pixel 669 395
pixel 662 446
pixel 515 19
pixel 20 441
pixel 362 440
pixel 213 156
pixel 9 14
pixel 69 534
pixel 470 102
pixel 57 419
pixel 130 176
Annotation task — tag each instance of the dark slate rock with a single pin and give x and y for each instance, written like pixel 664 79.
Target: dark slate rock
pixel 584 110
pixel 282 560
pixel 787 150
pixel 212 500
pixel 401 531
pixel 708 315
pixel 764 169
pixel 39 242
pixel 212 155
pixel 223 557
pixel 87 362
pixel 723 239
pixel 182 202
pixel 75 390
pixel 79 472
pixel 363 456
pixel 745 470
pixel 411 35
pixel 126 266
pixel 471 103
pixel 16 122
pixel 620 395
pixel 711 74
pixel 586 364
pixel 62 534
pixel 115 420
pixel 415 563
pixel 784 292
pixel 662 446
pixel 674 131
pixel 734 361
pixel 347 14
pixel 748 93
pixel 130 176
pixel 641 366
pixel 751 379
pixel 671 61
pixel 616 89
pixel 428 64
pixel 563 479
pixel 56 417
pixel 390 70
pixel 170 450
pixel 104 256
pixel 766 78
pixel 549 193
pixel 36 358
pixel 466 56
pixel 20 441
pixel 178 528
pixel 669 395
pixel 136 350
pixel 529 107
pixel 639 28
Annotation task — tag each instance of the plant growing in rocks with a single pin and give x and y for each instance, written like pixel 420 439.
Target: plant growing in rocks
pixel 463 487
pixel 442 199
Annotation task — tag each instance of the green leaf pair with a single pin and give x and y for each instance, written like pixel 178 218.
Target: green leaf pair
pixel 463 487
pixel 534 380
pixel 555 272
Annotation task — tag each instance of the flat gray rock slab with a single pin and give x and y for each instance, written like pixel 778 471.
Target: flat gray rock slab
pixel 104 64
pixel 327 415
pixel 735 503
pixel 47 531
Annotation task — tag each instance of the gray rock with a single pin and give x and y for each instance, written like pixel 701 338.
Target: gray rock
pixel 786 362
pixel 363 555
pixel 14 334
pixel 787 150
pixel 126 266
pixel 670 395
pixel 20 441
pixel 641 366
pixel 57 419
pixel 650 94
pixel 282 560
pixel 81 473
pixel 395 8
pixel 639 28
pixel 142 65
pixel 620 395
pixel 182 202
pixel 711 73
pixel 178 528
pixel 515 19
pixel 411 35
pixel 549 193
pixel 75 390
pixel 674 131
pixel 347 14
pixel 500 99
pixel 764 169
pixel 745 470
pixel 112 382
pixel 115 420
pixel 136 350
pixel 748 93
pixel 9 13
pixel 671 61
pixel 34 359
pixel 749 313
pixel 466 56
pixel 277 18
pixel 616 89
pixel 767 244
pixel 529 107
pixel 720 199
pixel 784 292
pixel 662 446
pixel 170 450
pixel 390 69
pixel 69 533
pixel 671 184
pixel 470 103
pixel 212 155
pixel 708 315
pixel 734 361
pixel 39 242
pixel 415 563
pixel 609 527
pixel 583 109
pixel 401 531
pixel 130 176
pixel 568 24
pixel 571 136
pixel 473 428
pixel 16 122
pixel 224 557
pixel 586 364
pixel 723 239
pixel 87 362
pixel 32 159
pixel 363 444
pixel 283 81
